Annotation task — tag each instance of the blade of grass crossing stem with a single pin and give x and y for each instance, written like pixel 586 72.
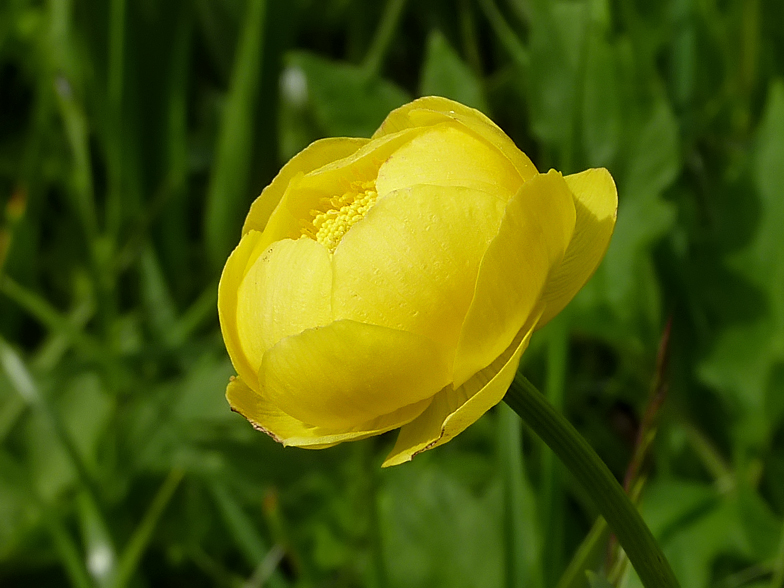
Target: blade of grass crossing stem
pixel 605 491
pixel 226 193
pixel 241 527
pixel 134 550
pixel 239 524
pixel 521 532
pixel 551 497
pixel 51 351
pixel 586 557
pixel 40 309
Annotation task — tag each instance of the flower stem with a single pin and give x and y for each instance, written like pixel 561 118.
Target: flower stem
pixel 608 496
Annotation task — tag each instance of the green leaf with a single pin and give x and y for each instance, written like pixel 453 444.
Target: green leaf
pixel 602 114
pixel 626 282
pixel 744 362
pixel 556 49
pixel 345 101
pixel 696 525
pixel 445 74
pixel 438 533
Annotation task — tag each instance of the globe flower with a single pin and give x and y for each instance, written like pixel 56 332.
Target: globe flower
pixel 394 282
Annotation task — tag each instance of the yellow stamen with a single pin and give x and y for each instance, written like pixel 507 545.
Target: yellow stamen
pixel 340 213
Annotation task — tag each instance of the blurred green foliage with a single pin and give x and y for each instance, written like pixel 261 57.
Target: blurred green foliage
pixel 133 137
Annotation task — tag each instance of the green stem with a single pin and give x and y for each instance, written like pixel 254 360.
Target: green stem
pixel 608 496
pixel 383 37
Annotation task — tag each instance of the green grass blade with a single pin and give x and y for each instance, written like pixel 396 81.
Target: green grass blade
pixel 137 545
pixel 383 37
pixel 522 535
pixel 551 494
pixel 247 537
pixel 586 556
pixel 227 195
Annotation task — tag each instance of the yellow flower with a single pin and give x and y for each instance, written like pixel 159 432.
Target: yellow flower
pixel 394 282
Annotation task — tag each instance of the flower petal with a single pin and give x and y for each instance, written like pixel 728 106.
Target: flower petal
pixel 411 263
pixel 453 411
pixel 434 109
pixel 231 278
pixel 536 229
pixel 306 192
pixel 314 156
pixel 285 290
pixel 596 203
pixel 447 154
pixel 348 373
pixel 289 431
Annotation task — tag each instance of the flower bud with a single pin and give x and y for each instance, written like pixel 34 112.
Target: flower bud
pixel 394 282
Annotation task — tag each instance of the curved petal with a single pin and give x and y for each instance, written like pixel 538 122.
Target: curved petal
pixel 411 263
pixel 434 109
pixel 348 373
pixel 231 278
pixel 447 155
pixel 536 229
pixel 285 291
pixel 306 191
pixel 314 156
pixel 289 431
pixel 453 411
pixel 596 203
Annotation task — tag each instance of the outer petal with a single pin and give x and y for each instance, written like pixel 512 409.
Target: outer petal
pixel 286 290
pixel 411 263
pixel 314 156
pixel 348 373
pixel 448 154
pixel 231 278
pixel 287 430
pixel 533 237
pixel 434 109
pixel 596 202
pixel 453 411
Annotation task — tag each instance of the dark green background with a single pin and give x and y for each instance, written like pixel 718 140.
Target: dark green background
pixel 135 134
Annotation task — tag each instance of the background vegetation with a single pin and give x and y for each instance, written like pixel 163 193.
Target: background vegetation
pixel 133 137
